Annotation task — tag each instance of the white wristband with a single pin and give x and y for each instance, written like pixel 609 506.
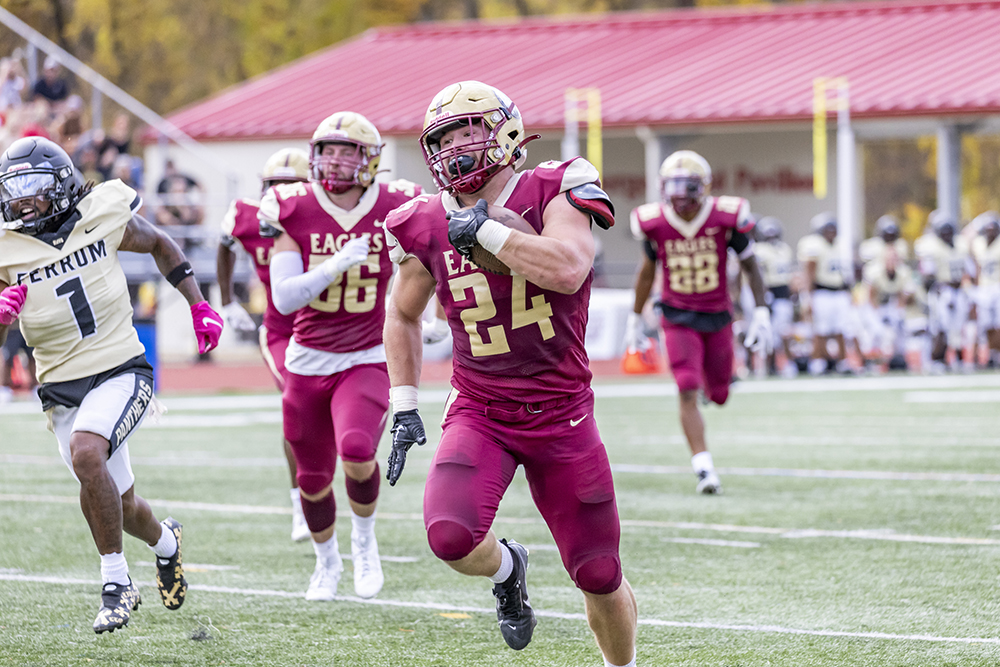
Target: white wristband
pixel 492 235
pixel 403 397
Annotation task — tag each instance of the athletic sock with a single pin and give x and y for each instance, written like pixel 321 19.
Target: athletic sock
pixel 611 664
pixel 363 525
pixel 166 546
pixel 506 566
pixel 296 500
pixel 702 461
pixel 114 568
pixel 328 550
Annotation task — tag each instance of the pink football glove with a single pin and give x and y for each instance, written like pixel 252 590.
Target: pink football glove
pixel 11 303
pixel 207 326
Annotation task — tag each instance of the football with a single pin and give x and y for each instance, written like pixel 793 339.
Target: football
pixel 487 260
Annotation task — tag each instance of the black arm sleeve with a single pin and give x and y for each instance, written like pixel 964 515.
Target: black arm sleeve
pixel 648 248
pixel 738 241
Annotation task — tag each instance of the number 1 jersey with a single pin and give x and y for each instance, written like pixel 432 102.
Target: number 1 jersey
pixel 513 341
pixel 77 314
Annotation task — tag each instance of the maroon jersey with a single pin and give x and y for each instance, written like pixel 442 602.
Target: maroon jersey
pixel 513 341
pixel 693 254
pixel 240 224
pixel 348 315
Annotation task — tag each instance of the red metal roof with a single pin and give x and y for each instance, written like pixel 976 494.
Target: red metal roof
pixel 663 68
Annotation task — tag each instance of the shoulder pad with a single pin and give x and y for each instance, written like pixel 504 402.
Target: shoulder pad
pixel 401 185
pixel 592 200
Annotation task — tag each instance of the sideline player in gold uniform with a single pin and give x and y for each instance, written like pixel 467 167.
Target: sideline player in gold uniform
pixel 59 271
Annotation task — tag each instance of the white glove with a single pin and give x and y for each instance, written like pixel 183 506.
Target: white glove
pixel 435 331
pixel 759 337
pixel 635 337
pixel 353 252
pixel 237 318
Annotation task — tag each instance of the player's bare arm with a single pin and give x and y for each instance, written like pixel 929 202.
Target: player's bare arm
pixel 142 237
pixel 644 282
pixel 561 257
pixel 225 262
pixel 412 290
pixel 755 279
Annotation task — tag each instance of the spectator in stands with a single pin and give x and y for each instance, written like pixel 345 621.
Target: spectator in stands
pixel 180 208
pixel 52 86
pixel 68 126
pixel 12 84
pixel 170 175
pixel 86 162
pixel 120 135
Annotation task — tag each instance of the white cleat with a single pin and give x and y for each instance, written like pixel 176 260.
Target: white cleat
pixel 324 580
pixel 708 483
pixel 368 577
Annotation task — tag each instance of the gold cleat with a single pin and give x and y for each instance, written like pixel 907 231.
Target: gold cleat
pixel 170 571
pixel 117 604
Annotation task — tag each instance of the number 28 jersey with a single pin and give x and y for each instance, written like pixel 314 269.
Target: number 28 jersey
pixel 513 341
pixel 694 254
pixel 77 314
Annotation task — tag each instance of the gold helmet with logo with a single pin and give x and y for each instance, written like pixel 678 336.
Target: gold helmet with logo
pixel 465 168
pixel 288 164
pixel 352 129
pixel 685 179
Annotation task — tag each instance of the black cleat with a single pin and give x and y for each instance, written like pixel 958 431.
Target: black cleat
pixel 170 571
pixel 118 601
pixel 514 613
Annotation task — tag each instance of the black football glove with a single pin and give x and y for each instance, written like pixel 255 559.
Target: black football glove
pixel 463 225
pixel 407 429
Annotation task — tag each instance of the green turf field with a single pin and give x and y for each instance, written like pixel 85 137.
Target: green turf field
pixel 858 527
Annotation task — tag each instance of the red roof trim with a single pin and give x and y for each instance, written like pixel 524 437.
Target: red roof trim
pixel 732 65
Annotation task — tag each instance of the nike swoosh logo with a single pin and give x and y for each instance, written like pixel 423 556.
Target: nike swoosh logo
pixel 574 422
pixel 87 231
pixel 209 320
pixel 526 210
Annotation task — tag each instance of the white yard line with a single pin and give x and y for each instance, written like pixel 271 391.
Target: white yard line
pixel 951 397
pixel 819 474
pixel 655 622
pixel 913 383
pixel 197 461
pixel 886 534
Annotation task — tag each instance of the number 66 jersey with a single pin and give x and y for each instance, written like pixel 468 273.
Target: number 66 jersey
pixel 77 314
pixel 513 341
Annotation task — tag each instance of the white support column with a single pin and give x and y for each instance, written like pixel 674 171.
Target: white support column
pixel 846 187
pixel 949 170
pixel 653 158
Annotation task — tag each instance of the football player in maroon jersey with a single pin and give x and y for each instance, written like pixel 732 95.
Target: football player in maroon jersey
pixel 289 165
pixel 331 267
pixel 521 382
pixel 689 233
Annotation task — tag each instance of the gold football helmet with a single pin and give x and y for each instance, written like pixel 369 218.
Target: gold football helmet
pixel 288 164
pixel 685 179
pixel 351 129
pixel 466 168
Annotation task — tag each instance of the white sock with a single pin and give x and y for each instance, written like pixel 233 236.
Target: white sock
pixel 702 461
pixel 296 499
pixel 114 568
pixel 611 664
pixel 363 525
pixel 506 566
pixel 327 550
pixel 166 546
